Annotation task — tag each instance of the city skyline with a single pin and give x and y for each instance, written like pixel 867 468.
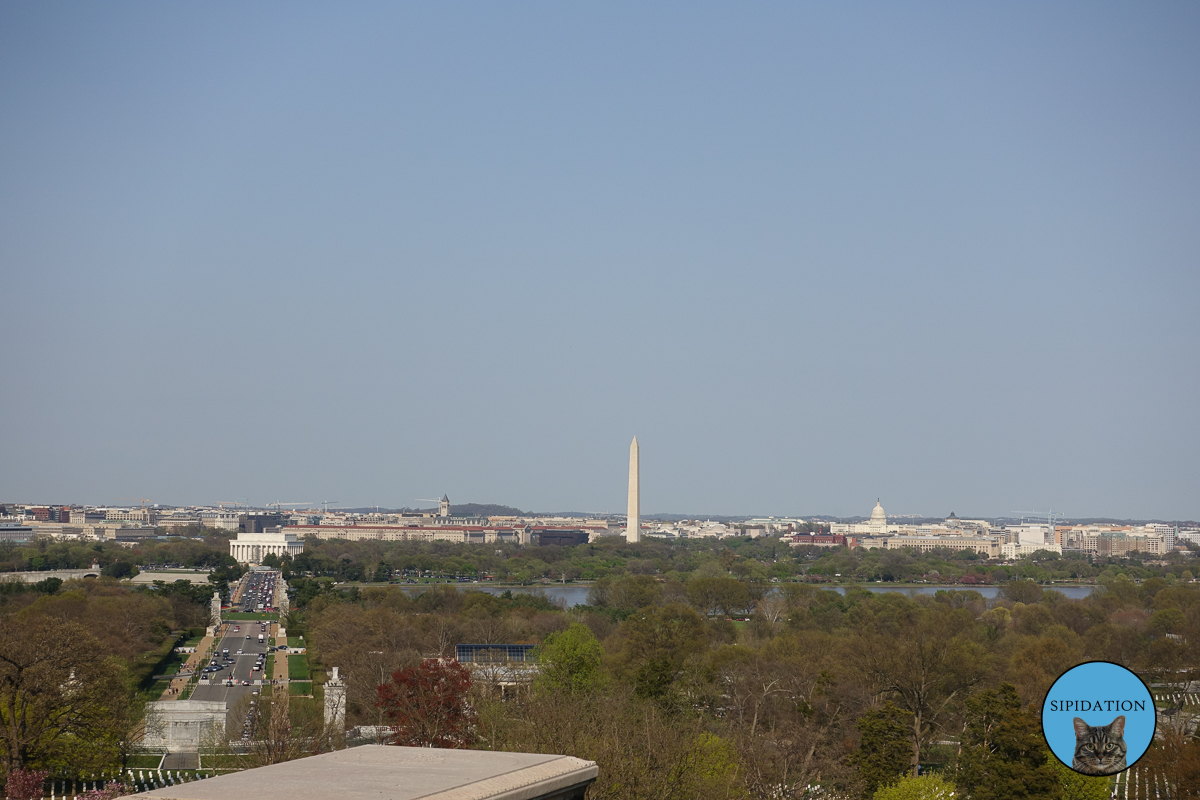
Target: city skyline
pixel 812 255
pixel 248 505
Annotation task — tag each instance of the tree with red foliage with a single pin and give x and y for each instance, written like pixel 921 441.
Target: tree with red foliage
pixel 25 784
pixel 427 705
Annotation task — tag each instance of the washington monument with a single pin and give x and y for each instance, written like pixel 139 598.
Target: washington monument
pixel 633 527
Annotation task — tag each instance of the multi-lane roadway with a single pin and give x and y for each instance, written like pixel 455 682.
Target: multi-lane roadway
pixel 240 657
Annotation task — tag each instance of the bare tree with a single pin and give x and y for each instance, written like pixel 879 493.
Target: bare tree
pixel 269 730
pixel 643 750
pixel 772 607
pixel 919 660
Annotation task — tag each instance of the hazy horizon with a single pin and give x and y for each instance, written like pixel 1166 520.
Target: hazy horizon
pixel 940 254
pixel 1032 517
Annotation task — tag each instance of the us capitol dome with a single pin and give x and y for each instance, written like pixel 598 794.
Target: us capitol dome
pixel 878 518
pixel 877 525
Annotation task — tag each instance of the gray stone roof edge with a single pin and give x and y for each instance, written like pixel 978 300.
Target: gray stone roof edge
pixel 522 783
pixel 547 777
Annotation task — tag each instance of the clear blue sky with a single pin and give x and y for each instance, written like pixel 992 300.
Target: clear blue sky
pixel 810 254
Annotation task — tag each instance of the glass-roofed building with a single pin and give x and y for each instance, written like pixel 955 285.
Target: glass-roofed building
pixel 494 653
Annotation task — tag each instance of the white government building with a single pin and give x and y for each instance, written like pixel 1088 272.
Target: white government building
pixel 252 548
pixel 877 526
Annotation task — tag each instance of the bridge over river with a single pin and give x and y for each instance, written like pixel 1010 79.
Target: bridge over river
pixel 62 574
pixel 169 576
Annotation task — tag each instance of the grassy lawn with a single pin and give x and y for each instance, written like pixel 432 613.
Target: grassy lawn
pixel 260 615
pixel 155 689
pixel 269 667
pixel 193 642
pixel 307 704
pixel 145 761
pixel 300 688
pixel 298 668
pixel 295 641
pixel 154 662
pixel 219 762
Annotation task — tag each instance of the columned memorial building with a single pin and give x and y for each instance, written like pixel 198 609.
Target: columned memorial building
pixel 252 548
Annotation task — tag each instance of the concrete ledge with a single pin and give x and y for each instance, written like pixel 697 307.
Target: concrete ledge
pixel 380 772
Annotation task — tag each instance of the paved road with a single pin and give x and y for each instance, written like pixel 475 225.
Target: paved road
pixel 181 761
pixel 241 635
pixel 240 670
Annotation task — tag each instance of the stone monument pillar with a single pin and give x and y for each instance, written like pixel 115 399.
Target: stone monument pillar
pixel 335 702
pixel 283 604
pixel 633 525
pixel 214 614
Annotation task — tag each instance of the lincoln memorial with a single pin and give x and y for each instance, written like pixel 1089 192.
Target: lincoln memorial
pixel 252 548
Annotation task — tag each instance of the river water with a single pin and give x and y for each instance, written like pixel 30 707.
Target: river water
pixel 578 595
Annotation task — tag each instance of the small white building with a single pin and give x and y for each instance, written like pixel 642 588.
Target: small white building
pixel 182 725
pixel 252 548
pixel 222 520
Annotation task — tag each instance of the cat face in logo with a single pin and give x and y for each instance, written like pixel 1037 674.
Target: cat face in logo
pixel 1099 749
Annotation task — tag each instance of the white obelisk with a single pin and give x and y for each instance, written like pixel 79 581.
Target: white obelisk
pixel 633 527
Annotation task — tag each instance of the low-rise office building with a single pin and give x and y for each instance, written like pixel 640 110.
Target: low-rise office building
pixel 1016 549
pixel 985 546
pixel 222 520
pixel 823 540
pixel 461 534
pixel 15 533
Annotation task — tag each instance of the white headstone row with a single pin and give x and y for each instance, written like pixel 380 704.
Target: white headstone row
pixel 140 780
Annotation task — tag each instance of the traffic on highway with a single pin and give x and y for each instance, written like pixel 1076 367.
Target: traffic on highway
pixel 239 659
pixel 259 593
